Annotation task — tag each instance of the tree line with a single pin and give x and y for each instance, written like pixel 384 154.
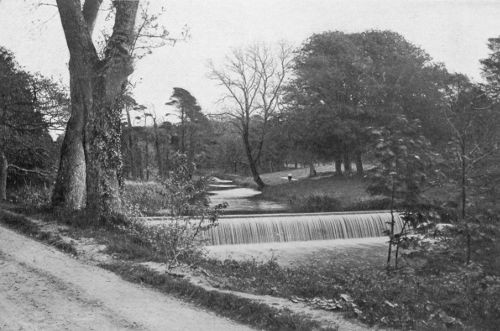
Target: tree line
pixel 343 98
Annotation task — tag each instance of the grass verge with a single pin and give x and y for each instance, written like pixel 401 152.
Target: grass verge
pixel 239 309
pixel 24 225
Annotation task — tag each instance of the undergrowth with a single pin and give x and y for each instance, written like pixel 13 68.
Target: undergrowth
pixel 465 298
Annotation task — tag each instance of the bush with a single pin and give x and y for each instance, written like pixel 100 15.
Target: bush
pixel 186 203
pixel 35 196
pixel 171 242
pixel 144 198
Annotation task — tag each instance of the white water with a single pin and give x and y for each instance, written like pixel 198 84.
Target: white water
pixel 253 229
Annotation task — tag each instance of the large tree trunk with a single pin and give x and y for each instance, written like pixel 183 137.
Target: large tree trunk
pixel 3 176
pixel 102 147
pixel 103 123
pixel 95 125
pixel 69 190
pixel 251 161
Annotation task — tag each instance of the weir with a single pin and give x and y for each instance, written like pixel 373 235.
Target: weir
pixel 266 228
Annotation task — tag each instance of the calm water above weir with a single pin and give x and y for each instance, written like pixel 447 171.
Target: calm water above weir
pixel 240 199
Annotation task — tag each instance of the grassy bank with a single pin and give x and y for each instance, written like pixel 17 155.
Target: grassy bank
pixel 323 193
pixel 357 283
pixel 26 226
pixel 347 190
pixel 239 309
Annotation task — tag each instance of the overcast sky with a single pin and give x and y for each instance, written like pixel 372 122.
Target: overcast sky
pixel 454 32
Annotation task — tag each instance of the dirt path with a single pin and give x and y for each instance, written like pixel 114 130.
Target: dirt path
pixel 44 289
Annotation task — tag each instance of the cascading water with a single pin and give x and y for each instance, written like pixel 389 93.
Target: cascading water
pixel 252 229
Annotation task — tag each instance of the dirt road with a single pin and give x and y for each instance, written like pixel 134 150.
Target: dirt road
pixel 44 289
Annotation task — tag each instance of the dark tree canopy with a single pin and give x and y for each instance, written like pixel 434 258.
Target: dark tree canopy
pixel 29 106
pixel 351 84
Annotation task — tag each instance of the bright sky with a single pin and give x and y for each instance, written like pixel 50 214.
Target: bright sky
pixel 454 32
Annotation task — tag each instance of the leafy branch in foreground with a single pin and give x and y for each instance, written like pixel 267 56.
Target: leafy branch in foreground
pixel 177 238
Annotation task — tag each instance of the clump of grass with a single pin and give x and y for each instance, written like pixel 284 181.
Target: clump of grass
pixel 30 198
pixel 24 225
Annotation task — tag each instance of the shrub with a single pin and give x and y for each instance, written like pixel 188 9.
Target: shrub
pixel 36 196
pixel 144 198
pixel 186 202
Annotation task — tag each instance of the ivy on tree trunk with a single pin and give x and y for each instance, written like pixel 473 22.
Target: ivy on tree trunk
pixel 90 162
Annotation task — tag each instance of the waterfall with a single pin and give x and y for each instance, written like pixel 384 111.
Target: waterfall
pixel 250 229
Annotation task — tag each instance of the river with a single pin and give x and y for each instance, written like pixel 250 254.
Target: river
pixel 240 199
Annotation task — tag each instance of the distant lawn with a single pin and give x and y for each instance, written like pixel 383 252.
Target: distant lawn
pixel 325 192
pixel 325 189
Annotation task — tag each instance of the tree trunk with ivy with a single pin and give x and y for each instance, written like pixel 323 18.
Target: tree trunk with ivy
pixel 94 128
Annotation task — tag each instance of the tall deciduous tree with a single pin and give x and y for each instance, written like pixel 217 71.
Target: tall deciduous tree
pixel 90 156
pixel 472 153
pixel 253 79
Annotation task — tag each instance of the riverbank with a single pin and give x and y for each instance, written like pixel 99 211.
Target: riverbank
pixel 352 281
pixel 324 192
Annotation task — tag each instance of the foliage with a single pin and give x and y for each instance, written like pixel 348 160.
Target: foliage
pixel 491 69
pixel 30 105
pixel 143 198
pixel 33 196
pixel 188 213
pixel 411 298
pixel 194 129
pixel 348 85
pixel 470 167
